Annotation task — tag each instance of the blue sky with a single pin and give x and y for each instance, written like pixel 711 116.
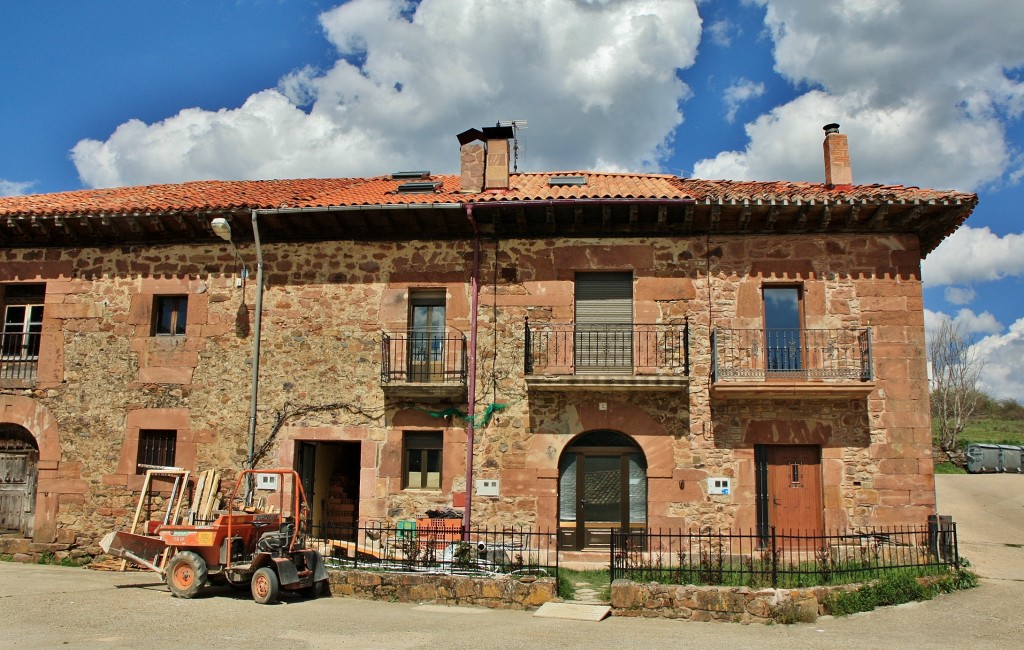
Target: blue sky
pixel 111 92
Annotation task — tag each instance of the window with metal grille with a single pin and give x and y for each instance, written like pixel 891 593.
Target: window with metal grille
pixel 156 447
pixel 422 460
pixel 169 315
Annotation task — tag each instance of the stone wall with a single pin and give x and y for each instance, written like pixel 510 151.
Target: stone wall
pixel 495 593
pixel 724 604
pixel 103 377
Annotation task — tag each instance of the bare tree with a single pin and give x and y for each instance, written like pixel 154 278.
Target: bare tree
pixel 955 369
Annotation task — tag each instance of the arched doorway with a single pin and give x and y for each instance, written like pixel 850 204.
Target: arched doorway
pixel 602 487
pixel 19 458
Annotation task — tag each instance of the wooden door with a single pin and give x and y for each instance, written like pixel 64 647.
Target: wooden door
pixel 794 489
pixel 17 489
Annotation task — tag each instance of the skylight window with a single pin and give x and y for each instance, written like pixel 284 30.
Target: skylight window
pixel 399 176
pixel 419 188
pixel 567 180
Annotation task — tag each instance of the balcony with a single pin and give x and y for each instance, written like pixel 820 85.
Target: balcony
pixel 607 356
pixel 796 362
pixel 19 356
pixel 424 363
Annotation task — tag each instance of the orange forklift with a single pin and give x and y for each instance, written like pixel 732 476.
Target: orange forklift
pixel 265 551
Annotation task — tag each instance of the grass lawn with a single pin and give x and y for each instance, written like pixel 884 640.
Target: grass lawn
pixel 993 431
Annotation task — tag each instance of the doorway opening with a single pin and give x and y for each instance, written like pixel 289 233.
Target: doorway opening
pixel 602 489
pixel 19 460
pixel 330 477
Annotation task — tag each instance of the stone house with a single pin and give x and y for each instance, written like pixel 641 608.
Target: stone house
pixel 603 350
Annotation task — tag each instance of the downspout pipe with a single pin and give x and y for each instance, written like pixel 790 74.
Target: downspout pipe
pixel 254 397
pixel 467 515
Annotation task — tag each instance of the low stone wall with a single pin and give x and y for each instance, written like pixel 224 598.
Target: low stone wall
pixel 496 593
pixel 732 604
pixel 25 550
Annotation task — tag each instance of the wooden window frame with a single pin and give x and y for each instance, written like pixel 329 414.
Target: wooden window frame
pixel 423 443
pixel 179 315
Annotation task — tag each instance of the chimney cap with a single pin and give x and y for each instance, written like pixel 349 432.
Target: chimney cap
pixel 469 135
pixel 498 132
pixel 832 127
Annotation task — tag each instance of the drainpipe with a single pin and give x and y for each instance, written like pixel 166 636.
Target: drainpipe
pixel 255 346
pixel 467 516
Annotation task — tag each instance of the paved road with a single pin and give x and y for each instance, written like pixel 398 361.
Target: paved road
pixel 43 606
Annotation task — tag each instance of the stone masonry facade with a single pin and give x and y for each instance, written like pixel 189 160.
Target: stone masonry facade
pixel 103 377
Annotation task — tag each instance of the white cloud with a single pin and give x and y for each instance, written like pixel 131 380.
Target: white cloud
pixel 970 323
pixel 739 92
pixel 1003 356
pixel 922 92
pixel 721 32
pixel 974 255
pixel 960 295
pixel 14 188
pixel 596 81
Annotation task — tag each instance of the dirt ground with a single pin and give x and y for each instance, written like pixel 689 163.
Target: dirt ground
pixel 47 606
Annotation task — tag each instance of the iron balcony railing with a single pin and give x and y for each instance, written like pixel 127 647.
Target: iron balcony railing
pixel 577 348
pixel 631 349
pixel 796 354
pixel 783 559
pixel 19 354
pixel 415 356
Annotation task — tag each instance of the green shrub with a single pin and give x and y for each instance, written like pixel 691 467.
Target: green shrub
pixel 895 590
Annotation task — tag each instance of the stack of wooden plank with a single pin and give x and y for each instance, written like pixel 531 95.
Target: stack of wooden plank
pixel 206 497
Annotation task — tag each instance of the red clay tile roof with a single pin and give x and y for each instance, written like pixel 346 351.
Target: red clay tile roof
pixel 247 195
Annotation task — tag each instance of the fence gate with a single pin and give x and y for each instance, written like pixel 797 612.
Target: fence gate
pixel 19 458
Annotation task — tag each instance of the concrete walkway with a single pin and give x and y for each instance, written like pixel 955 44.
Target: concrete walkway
pixel 989 513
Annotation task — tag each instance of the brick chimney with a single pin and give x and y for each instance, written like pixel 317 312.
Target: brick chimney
pixel 837 157
pixel 472 154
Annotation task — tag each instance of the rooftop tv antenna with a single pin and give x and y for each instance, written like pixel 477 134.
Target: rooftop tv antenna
pixel 516 125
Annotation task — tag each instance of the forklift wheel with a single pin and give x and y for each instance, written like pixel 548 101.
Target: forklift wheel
pixel 186 574
pixel 265 586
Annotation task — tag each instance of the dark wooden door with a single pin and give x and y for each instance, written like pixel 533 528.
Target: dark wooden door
pixel 794 489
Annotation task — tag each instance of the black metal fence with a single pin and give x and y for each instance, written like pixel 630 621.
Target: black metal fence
pixel 635 348
pixel 843 354
pixel 438 547
pixel 19 354
pixel 424 357
pixel 780 559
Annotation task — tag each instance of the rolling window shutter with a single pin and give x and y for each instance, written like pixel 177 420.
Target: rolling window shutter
pixel 604 298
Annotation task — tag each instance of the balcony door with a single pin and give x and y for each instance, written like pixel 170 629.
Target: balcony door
pixel 23 325
pixel 783 323
pixel 603 340
pixel 426 336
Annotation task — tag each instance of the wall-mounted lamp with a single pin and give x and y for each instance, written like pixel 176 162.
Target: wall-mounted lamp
pixel 222 228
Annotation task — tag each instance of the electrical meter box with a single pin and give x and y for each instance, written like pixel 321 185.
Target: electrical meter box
pixel 266 481
pixel 719 485
pixel 487 487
